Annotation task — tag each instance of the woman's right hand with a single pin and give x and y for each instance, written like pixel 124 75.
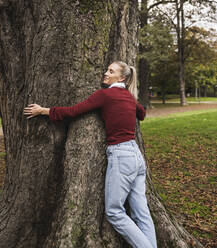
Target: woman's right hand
pixel 32 110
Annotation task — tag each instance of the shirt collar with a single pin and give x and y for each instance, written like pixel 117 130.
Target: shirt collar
pixel 120 85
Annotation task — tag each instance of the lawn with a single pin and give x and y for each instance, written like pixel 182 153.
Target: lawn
pixel 181 152
pixel 176 99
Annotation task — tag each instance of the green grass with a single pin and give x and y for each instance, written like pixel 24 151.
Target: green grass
pixel 193 99
pixel 181 152
pixel 179 114
pixel 175 98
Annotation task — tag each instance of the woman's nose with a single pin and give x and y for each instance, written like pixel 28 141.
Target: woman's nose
pixel 106 74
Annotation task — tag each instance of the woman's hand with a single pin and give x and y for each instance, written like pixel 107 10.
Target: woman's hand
pixel 33 110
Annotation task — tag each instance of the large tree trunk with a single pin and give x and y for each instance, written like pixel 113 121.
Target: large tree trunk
pixel 54 53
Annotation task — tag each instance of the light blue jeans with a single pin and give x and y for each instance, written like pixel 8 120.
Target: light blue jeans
pixel 125 179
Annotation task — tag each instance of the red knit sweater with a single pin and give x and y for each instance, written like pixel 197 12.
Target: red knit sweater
pixel 119 110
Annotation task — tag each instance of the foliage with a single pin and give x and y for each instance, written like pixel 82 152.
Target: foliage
pixel 204 75
pixel 199 45
pixel 160 42
pixel 201 67
pixel 181 152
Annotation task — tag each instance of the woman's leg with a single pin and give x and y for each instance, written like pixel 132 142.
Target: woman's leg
pixel 121 172
pixel 138 206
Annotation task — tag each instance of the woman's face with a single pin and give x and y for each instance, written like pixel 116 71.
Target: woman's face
pixel 113 74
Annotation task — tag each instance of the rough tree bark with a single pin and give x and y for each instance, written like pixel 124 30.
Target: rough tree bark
pixel 54 53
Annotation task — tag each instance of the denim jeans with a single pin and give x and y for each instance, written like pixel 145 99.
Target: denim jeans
pixel 125 179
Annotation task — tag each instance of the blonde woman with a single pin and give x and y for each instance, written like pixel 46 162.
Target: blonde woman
pixel 126 170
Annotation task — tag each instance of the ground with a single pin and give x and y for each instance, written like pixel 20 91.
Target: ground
pixel 181 153
pixel 156 111
pixel 160 110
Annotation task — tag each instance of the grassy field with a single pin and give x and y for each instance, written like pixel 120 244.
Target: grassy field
pixel 175 98
pixel 181 152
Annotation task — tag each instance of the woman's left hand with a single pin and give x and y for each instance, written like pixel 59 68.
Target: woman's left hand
pixel 32 110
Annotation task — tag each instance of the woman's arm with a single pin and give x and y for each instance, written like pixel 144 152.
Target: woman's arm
pixel 140 111
pixel 34 109
pixel 94 101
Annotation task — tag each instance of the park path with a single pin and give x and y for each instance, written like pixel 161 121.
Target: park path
pixel 156 112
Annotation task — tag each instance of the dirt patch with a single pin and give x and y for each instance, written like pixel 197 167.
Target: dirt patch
pixel 156 112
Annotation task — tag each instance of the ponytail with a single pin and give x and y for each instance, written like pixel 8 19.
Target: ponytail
pixel 132 82
pixel 129 72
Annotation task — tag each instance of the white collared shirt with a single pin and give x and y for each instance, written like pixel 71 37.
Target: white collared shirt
pixel 120 85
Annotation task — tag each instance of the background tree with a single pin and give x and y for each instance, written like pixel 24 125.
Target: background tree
pixel 159 55
pixel 54 53
pixel 162 57
pixel 203 79
pixel 200 61
pixel 180 16
pixel 143 65
pixel 146 8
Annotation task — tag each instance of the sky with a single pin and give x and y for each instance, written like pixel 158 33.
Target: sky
pixel 199 22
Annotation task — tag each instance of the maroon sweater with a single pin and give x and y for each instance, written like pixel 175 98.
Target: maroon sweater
pixel 119 110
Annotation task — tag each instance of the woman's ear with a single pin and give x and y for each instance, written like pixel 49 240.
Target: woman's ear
pixel 121 79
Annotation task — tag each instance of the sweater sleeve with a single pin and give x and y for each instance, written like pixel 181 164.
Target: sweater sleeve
pixel 94 101
pixel 140 111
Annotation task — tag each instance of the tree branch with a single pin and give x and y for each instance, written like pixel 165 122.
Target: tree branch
pixel 158 3
pixel 169 18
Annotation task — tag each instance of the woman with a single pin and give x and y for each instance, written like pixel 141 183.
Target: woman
pixel 126 170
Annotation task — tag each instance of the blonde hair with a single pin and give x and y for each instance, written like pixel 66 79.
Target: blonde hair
pixel 129 73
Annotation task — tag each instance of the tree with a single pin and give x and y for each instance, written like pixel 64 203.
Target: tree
pixel 54 53
pixel 143 63
pixel 144 70
pixel 182 14
pixel 203 77
pixel 181 29
pixel 200 66
pixel 159 55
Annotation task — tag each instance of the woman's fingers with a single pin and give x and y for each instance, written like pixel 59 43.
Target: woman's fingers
pixel 32 105
pixel 27 110
pixel 27 113
pixel 32 110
